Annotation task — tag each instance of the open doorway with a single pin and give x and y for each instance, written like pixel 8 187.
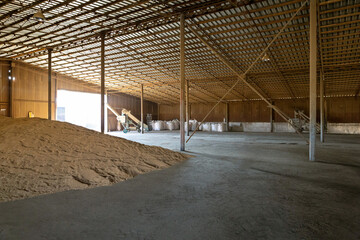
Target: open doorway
pixel 79 108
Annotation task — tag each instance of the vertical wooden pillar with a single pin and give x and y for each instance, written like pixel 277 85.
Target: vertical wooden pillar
pixel 49 83
pixel 272 118
pixel 158 111
pixel 322 107
pixel 102 82
pixel 55 98
pixel 313 79
pixel 227 116
pixel 106 117
pixel 182 81
pixel 187 109
pixel 325 112
pixel 10 78
pixel 142 108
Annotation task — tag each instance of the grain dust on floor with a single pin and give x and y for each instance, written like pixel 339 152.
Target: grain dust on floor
pixel 39 156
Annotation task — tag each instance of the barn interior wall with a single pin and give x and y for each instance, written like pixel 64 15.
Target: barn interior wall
pixel 30 89
pixel 338 110
pixel 30 93
pixel 4 86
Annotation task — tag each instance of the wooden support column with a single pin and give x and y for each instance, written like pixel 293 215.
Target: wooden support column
pixel 158 111
pixel 325 113
pixel 187 109
pixel 227 116
pixel 142 108
pixel 272 118
pixel 313 79
pixel 322 116
pixel 106 117
pixel 182 81
pixel 49 83
pixel 102 82
pixel 10 78
pixel 55 98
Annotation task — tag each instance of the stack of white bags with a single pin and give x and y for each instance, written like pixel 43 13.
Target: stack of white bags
pixel 193 124
pixel 158 125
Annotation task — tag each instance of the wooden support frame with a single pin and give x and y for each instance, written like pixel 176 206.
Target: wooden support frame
pixel 272 115
pixel 142 108
pixel 227 116
pixel 313 79
pixel 242 76
pixel 182 82
pixel 322 114
pixel 102 94
pixel 187 109
pixel 10 78
pixel 55 97
pixel 158 111
pixel 49 83
pixel 241 34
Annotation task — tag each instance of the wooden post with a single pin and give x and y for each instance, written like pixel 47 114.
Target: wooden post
pixel 272 118
pixel 142 108
pixel 10 78
pixel 325 113
pixel 187 109
pixel 102 81
pixel 321 107
pixel 313 79
pixel 49 83
pixel 227 116
pixel 106 117
pixel 55 98
pixel 158 111
pixel 182 81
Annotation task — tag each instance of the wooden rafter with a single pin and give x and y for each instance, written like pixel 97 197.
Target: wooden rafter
pixel 142 45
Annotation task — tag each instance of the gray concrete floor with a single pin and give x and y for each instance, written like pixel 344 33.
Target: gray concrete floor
pixel 237 186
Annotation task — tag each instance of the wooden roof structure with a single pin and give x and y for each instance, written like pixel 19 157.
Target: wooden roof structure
pixel 142 45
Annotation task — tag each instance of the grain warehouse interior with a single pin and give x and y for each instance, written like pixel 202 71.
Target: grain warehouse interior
pixel 179 119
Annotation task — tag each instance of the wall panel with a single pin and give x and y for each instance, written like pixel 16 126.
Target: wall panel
pixel 339 110
pixel 30 91
pixel 344 110
pixel 4 88
pixel 169 112
pixel 199 111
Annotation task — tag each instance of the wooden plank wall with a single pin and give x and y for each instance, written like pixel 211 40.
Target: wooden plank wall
pixel 169 112
pixel 30 94
pixel 344 110
pixel 199 111
pixel 4 87
pixel 338 109
pixel 66 83
pixel 119 101
pixel 30 91
pixel 254 111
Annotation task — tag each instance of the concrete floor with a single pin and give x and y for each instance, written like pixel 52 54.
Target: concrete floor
pixel 238 186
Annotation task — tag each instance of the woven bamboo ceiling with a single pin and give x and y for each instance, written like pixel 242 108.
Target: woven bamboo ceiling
pixel 142 44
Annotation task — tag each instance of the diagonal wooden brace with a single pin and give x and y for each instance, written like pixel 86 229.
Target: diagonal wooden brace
pixel 241 76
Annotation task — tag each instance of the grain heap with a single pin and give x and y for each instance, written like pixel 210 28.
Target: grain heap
pixel 39 156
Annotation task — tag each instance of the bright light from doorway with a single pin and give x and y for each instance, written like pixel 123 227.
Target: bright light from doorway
pixel 79 108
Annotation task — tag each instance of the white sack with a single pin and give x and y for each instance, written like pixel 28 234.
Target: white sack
pixel 206 127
